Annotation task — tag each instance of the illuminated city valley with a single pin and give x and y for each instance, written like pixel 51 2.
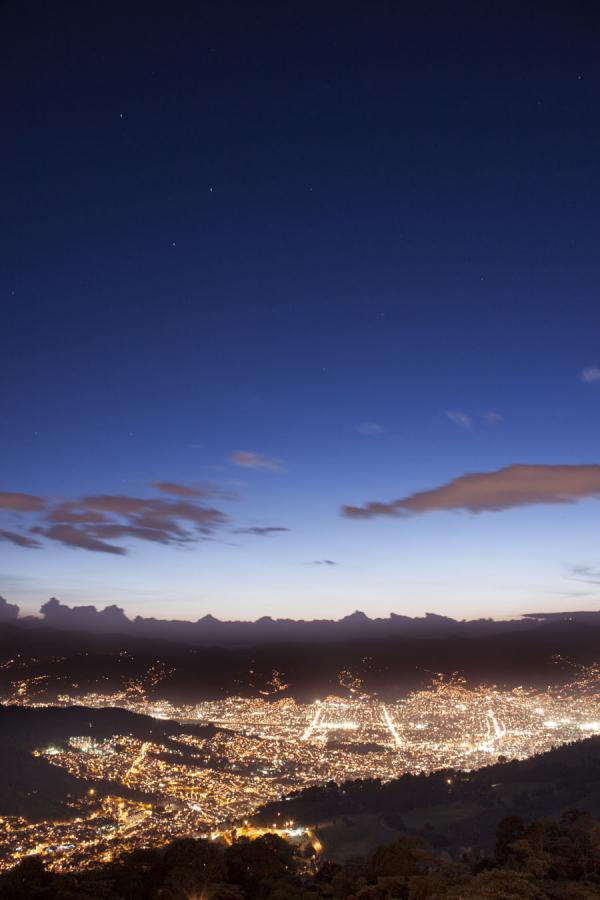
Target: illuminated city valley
pixel 300 458
pixel 222 760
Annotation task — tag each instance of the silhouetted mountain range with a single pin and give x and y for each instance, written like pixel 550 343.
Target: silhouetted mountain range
pixel 210 631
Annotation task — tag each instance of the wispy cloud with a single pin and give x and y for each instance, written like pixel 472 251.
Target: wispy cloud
pixel 493 418
pixel 99 522
pixel 260 531
pixel 248 459
pixel 20 502
pixel 507 488
pixel 371 429
pixel 74 536
pixel 585 574
pixel 459 417
pixel 179 490
pixel 74 512
pixel 590 374
pixel 20 540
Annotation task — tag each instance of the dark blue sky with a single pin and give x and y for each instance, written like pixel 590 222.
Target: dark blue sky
pixel 357 242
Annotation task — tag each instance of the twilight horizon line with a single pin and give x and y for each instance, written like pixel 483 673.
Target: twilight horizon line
pixel 53 612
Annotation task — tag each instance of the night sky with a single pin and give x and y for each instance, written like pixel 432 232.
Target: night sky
pixel 268 271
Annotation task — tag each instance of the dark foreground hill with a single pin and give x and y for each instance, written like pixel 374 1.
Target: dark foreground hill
pixel 530 861
pixel 454 811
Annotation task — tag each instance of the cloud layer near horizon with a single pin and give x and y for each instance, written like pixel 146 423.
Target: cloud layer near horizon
pixel 512 486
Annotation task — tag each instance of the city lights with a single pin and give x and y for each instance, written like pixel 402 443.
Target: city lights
pixel 261 751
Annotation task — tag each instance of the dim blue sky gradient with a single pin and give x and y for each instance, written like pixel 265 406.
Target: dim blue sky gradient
pixel 358 244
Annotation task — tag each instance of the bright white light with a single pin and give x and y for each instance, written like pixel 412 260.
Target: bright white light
pixel 338 726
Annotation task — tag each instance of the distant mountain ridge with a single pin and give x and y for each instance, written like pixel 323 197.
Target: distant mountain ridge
pixel 210 631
